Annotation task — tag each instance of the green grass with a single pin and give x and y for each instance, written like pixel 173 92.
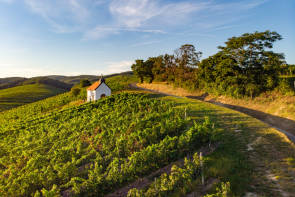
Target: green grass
pixel 20 95
pixel 246 170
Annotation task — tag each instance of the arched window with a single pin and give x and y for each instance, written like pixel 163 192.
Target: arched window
pixel 102 96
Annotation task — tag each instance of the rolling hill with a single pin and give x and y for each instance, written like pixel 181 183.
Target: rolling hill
pixel 76 79
pixel 10 82
pixel 138 143
pixel 20 95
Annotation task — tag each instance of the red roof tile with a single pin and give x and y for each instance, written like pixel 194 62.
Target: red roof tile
pixel 94 86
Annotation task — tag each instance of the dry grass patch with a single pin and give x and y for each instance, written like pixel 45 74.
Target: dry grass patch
pixel 166 88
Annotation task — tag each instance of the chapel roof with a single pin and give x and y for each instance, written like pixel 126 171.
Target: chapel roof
pixel 96 84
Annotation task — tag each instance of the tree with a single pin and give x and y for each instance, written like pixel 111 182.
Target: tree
pixel 186 56
pixel 159 68
pixel 148 65
pixel 138 69
pixel 143 69
pixel 84 83
pixel 244 63
pixel 75 91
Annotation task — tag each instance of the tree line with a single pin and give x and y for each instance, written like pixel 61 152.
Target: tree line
pixel 245 66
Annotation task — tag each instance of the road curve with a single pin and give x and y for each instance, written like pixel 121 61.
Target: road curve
pixel 275 122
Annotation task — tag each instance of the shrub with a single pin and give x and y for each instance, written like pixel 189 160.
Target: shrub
pixel 285 87
pixel 85 83
pixel 75 91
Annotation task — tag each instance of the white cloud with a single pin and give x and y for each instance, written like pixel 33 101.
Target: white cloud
pixel 117 67
pixel 63 16
pixel 95 19
pixel 136 13
pixel 100 32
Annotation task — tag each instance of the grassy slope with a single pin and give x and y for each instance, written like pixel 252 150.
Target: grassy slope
pixel 20 95
pixel 252 156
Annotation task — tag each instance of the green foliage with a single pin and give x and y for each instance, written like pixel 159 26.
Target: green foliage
pixel 84 83
pixel 243 67
pixel 287 70
pixel 244 64
pixel 92 148
pixel 75 91
pixel 286 86
pixel 143 69
pixel 179 178
pixel 177 68
pixel 222 191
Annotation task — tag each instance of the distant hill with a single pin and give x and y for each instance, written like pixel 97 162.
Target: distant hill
pixel 76 79
pixel 11 82
pixel 20 95
pixel 53 80
pixel 48 81
pixel 19 81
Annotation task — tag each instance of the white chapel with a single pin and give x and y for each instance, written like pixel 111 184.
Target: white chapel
pixel 97 90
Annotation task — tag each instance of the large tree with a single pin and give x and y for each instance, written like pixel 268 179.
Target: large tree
pixel 244 62
pixel 138 69
pixel 143 69
pixel 187 56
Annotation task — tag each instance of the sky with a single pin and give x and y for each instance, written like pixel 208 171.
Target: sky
pixel 73 37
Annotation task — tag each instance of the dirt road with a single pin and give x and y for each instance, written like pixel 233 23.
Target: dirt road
pixel 283 125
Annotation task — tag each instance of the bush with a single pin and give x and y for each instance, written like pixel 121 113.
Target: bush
pixel 285 87
pixel 84 83
pixel 223 191
pixel 75 91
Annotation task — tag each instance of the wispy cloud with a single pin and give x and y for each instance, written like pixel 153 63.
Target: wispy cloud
pixel 146 43
pixel 100 31
pixel 63 16
pixel 136 13
pixel 146 16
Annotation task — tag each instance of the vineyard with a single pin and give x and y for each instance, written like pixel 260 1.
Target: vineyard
pixel 63 147
pixel 95 147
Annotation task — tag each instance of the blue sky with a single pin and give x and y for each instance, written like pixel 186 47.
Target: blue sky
pixel 72 37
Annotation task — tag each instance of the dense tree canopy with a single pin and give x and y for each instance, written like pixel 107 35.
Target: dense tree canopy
pixel 244 66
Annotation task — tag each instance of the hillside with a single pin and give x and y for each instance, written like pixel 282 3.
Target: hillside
pixel 76 79
pixel 59 81
pixel 29 90
pixel 10 82
pixel 48 81
pixel 140 144
pixel 20 95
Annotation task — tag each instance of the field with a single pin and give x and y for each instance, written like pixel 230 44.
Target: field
pixel 21 95
pixel 140 144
